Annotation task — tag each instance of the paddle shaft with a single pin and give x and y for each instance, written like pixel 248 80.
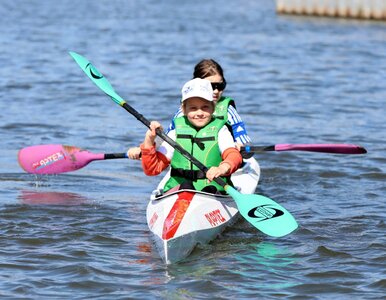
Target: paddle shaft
pixel 115 155
pixel 324 148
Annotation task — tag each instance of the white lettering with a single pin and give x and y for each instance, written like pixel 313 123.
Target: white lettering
pixel 48 160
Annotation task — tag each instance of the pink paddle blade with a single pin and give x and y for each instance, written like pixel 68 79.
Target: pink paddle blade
pixel 54 159
pixel 326 148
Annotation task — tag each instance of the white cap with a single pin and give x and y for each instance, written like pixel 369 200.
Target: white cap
pixel 197 87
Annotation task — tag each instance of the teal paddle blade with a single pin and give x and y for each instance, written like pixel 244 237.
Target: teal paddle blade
pixel 97 77
pixel 264 213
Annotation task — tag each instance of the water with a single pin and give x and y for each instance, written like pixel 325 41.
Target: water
pixel 83 235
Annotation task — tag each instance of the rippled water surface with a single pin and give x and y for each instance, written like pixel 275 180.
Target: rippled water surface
pixel 83 235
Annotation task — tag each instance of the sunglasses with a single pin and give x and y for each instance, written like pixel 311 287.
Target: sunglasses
pixel 218 85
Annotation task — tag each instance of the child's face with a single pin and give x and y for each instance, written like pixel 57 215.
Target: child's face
pixel 216 93
pixel 198 111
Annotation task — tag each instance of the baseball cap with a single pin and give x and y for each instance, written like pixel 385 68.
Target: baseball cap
pixel 197 87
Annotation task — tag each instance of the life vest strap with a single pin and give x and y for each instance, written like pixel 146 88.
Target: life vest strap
pixel 199 141
pixel 188 174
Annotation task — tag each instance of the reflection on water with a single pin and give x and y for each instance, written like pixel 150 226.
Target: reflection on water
pixel 271 257
pixel 51 198
pixel 267 254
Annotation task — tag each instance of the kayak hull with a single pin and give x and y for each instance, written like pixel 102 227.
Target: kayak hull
pixel 185 218
pixel 182 219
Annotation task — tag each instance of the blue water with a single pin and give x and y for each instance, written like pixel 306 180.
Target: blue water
pixel 83 234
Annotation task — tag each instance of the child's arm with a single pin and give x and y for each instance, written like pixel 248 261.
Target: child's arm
pixel 231 157
pixel 135 152
pixel 153 162
pixel 231 162
pixel 151 134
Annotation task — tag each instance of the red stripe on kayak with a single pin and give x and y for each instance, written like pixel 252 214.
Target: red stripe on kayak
pixel 176 214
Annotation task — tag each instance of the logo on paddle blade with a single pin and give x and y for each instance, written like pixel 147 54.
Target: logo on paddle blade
pixel 46 161
pixel 265 212
pixel 94 72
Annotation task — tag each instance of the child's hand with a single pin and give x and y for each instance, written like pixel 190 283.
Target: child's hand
pixel 151 134
pixel 219 171
pixel 153 126
pixel 134 153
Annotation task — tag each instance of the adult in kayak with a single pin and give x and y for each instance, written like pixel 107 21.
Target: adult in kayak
pixel 225 106
pixel 201 133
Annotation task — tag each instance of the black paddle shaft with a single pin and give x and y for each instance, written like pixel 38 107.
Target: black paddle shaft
pixel 254 149
pixel 172 143
pixel 115 155
pixel 249 151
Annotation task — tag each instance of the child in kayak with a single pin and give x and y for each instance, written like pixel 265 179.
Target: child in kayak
pixel 199 132
pixel 225 106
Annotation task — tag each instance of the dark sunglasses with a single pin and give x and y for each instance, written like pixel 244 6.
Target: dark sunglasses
pixel 218 85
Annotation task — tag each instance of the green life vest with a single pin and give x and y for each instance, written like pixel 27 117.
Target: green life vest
pixel 222 105
pixel 201 143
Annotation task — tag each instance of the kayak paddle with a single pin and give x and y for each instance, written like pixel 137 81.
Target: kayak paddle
pixel 262 212
pixel 52 159
pixel 55 159
pixel 325 148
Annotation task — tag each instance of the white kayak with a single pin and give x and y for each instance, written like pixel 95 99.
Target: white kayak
pixel 182 219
